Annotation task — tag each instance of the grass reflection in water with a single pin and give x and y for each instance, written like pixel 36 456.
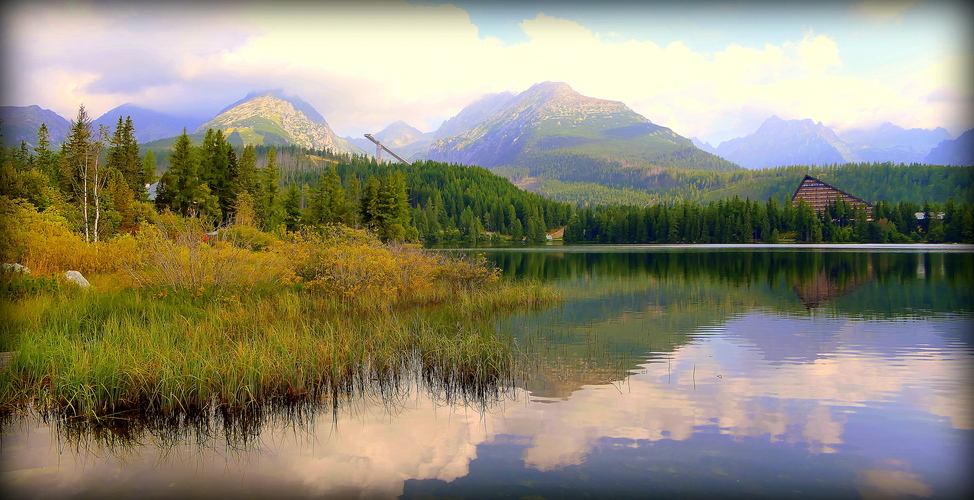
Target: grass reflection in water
pixel 123 366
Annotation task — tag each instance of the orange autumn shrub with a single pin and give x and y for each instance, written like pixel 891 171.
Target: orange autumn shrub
pixel 179 253
pixel 186 253
pixel 344 261
pixel 467 273
pixel 354 263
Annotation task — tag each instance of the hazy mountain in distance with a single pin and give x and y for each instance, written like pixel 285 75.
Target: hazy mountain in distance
pixel 704 145
pixel 888 142
pixel 780 142
pixel 959 151
pixel 149 124
pixel 20 123
pixel 401 137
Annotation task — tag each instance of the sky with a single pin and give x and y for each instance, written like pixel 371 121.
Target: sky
pixel 706 69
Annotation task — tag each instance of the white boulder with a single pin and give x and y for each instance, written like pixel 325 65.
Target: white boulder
pixel 17 268
pixel 76 278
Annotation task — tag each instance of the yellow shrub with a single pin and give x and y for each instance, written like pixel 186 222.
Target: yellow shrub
pixel 179 254
pixel 464 272
pixel 43 242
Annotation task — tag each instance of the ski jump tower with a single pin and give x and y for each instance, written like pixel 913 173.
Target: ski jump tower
pixel 378 150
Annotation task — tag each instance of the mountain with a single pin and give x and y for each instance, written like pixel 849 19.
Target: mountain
pixel 473 115
pixel 959 151
pixel 20 123
pixel 270 117
pixel 704 145
pixel 551 120
pixel 780 142
pixel 401 137
pixel 149 125
pixel 401 134
pixel 892 143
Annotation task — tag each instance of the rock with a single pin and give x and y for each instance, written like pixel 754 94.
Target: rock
pixel 76 278
pixel 17 268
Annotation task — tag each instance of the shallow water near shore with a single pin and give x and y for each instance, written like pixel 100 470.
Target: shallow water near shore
pixel 797 372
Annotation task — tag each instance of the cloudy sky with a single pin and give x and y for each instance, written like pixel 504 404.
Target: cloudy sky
pixel 714 70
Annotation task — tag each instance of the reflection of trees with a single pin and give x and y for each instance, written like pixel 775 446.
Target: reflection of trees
pixel 832 277
pixel 621 309
pixel 607 328
pixel 923 282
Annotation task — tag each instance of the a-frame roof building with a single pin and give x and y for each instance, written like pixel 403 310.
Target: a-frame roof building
pixel 819 194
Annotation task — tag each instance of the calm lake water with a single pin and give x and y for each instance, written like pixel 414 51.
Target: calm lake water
pixel 664 373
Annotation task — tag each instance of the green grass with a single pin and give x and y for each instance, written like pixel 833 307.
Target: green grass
pixel 105 355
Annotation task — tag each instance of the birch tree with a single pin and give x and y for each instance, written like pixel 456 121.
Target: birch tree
pixel 82 171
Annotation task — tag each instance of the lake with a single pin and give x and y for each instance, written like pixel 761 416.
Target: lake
pixel 665 372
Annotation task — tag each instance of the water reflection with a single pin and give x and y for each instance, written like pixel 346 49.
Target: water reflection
pixel 856 417
pixel 680 374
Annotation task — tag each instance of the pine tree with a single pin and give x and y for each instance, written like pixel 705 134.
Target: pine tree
pixel 247 172
pixel 123 156
pixel 393 207
pixel 46 160
pixel 267 203
pixel 291 207
pixel 180 188
pixel 369 205
pixel 353 192
pixel 219 170
pixel 148 170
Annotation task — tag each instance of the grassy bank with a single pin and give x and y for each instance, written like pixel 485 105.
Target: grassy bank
pixel 245 318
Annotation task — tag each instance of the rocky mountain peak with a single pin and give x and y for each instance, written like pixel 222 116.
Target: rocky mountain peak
pixel 268 118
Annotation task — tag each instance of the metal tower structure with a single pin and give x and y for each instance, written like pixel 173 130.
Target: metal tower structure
pixel 378 150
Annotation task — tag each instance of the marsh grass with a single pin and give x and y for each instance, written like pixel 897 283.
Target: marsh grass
pixel 202 332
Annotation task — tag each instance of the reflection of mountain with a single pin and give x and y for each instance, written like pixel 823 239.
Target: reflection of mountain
pixel 827 284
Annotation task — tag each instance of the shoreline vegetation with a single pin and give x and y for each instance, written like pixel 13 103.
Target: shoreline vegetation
pixel 178 324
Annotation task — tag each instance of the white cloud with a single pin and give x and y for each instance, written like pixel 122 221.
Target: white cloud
pixel 364 66
pixel 819 54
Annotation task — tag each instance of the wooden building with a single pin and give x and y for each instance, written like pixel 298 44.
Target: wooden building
pixel 819 194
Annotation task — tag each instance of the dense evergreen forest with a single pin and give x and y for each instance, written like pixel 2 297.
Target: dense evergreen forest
pixel 589 181
pixel 747 221
pixel 97 183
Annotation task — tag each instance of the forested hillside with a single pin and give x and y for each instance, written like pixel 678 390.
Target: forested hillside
pixel 869 181
pixel 448 202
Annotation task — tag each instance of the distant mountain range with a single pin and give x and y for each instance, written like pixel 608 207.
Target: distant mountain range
pixel 20 123
pixel 959 151
pixel 780 142
pixel 548 131
pixel 149 125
